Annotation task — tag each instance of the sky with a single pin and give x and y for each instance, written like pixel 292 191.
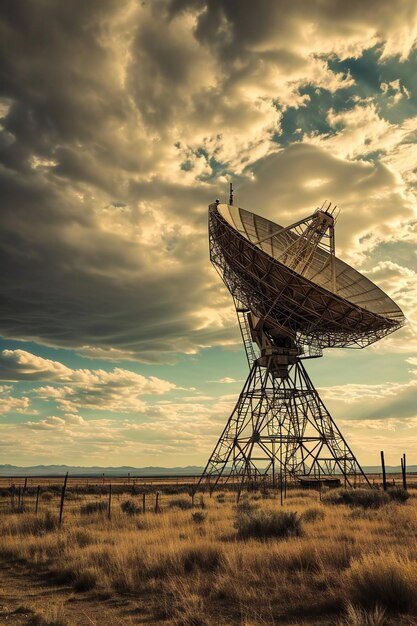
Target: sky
pixel 120 121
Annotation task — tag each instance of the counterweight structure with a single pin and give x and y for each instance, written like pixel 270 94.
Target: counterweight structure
pixel 293 297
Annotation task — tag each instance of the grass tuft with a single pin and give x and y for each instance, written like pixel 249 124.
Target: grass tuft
pixel 356 616
pixel 383 580
pixel 181 503
pixel 313 514
pixel 31 524
pixel 198 517
pixel 85 580
pixel 398 494
pixel 265 524
pixel 366 498
pixel 203 557
pixel 129 507
pixel 92 508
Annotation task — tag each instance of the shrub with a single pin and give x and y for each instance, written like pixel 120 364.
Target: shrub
pixel 83 538
pixel 198 517
pixel 246 506
pixel 129 507
pixel 313 514
pixel 181 503
pixel 221 497
pixel 383 580
pixel 47 496
pixel 93 507
pixel 36 525
pixel 19 509
pixel 398 494
pixel 266 524
pixel 85 581
pixel 366 498
pixel 70 495
pixel 203 557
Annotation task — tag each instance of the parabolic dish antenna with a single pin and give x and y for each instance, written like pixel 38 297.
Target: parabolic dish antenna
pixel 293 298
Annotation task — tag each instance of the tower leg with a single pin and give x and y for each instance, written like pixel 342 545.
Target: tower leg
pixel 280 425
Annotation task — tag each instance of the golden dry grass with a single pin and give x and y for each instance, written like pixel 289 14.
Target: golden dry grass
pixel 350 566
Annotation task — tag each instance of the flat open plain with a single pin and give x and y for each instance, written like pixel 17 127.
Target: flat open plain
pixel 207 563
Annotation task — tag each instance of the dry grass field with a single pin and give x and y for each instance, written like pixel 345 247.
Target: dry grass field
pixel 259 563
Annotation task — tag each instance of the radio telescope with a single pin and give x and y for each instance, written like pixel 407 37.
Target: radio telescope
pixel 293 298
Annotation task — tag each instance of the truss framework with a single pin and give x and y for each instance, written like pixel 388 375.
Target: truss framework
pixel 280 428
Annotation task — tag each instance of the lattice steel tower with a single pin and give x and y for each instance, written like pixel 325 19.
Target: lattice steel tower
pixel 293 297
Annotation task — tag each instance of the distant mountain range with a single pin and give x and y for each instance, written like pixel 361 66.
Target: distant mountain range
pixel 76 470
pixel 189 470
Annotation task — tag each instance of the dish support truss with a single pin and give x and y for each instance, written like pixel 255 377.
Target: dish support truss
pixel 280 429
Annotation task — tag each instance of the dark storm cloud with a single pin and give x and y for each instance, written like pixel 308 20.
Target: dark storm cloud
pixel 103 227
pixel 237 26
pixel 66 280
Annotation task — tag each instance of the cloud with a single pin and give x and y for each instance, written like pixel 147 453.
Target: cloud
pixel 10 405
pixel 18 365
pixel 116 390
pixel 186 429
pixel 237 30
pixel 387 401
pixel 376 417
pixel 373 200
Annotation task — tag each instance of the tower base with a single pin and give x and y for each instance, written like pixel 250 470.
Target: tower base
pixel 280 429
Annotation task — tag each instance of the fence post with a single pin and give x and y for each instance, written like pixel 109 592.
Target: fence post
pixel 144 502
pixel 384 476
pixel 157 502
pixel 61 508
pixel 37 499
pixel 319 484
pixel 109 512
pixel 404 471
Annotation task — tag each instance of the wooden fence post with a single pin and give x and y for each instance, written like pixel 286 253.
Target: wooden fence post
pixel 61 508
pixel 404 471
pixel 37 499
pixel 144 502
pixel 109 512
pixel 157 502
pixel 319 484
pixel 384 476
